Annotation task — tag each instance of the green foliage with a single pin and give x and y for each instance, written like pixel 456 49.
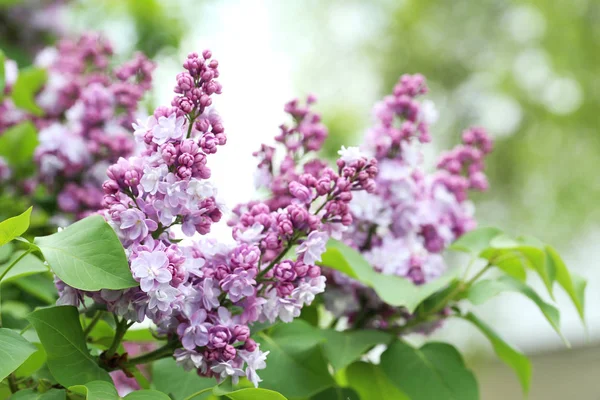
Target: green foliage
pixel 393 290
pixel 434 371
pixel 513 358
pixel 14 227
pixel 515 256
pixel 96 390
pixel 371 382
pixel 573 284
pixel 486 289
pixel 101 390
pixel 88 256
pixel 2 74
pixel 29 81
pixel 252 394
pixel 14 351
pixel 173 380
pixel 6 251
pixel 27 265
pixel 343 348
pixel 17 145
pixel 146 395
pixel 337 393
pixel 296 365
pixel 30 394
pixel 38 286
pixel 33 363
pixel 61 335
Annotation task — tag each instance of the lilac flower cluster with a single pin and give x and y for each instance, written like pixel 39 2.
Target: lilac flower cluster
pixel 88 107
pixel 207 293
pixel 403 228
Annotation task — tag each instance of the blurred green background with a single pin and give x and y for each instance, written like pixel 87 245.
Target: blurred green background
pixel 528 71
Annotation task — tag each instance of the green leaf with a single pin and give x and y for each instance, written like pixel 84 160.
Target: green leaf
pixel 511 261
pixel 29 82
pixel 338 256
pixel 338 393
pixel 513 358
pixel 484 290
pixel 2 75
pixel 343 348
pixel 61 335
pixel 14 227
pixel 255 394
pixel 33 363
pixel 146 395
pixel 434 371
pixel 475 241
pixel 538 261
pixel 6 251
pixel 170 378
pixel 401 292
pixel 28 265
pixel 296 366
pixel 17 145
pixel 96 390
pixel 574 285
pixel 371 383
pixel 394 290
pixel 14 351
pixel 30 394
pixel 39 286
pixel 88 256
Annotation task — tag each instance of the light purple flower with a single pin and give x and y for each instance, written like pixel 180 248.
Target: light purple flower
pixel 152 177
pixel 163 297
pixel 226 369
pixel 195 332
pixel 209 293
pixel 166 129
pixel 313 247
pixel 239 284
pixel 307 290
pixel 190 359
pixel 254 360
pixel 134 224
pixel 151 269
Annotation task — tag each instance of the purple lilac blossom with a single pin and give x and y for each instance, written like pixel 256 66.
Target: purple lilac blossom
pixel 87 109
pixel 403 227
pixel 207 294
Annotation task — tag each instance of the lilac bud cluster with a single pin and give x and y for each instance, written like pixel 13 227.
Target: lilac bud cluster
pixel 88 107
pixel 403 228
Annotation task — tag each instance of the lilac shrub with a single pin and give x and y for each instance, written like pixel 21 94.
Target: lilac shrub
pixel 87 106
pixel 205 295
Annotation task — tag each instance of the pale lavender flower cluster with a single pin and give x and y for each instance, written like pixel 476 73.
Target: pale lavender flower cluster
pixel 403 228
pixel 88 107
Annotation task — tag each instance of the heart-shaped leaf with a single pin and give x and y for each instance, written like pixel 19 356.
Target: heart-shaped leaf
pixel 14 227
pixel 372 383
pixel 61 335
pixel 88 256
pixel 14 351
pixel 434 371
